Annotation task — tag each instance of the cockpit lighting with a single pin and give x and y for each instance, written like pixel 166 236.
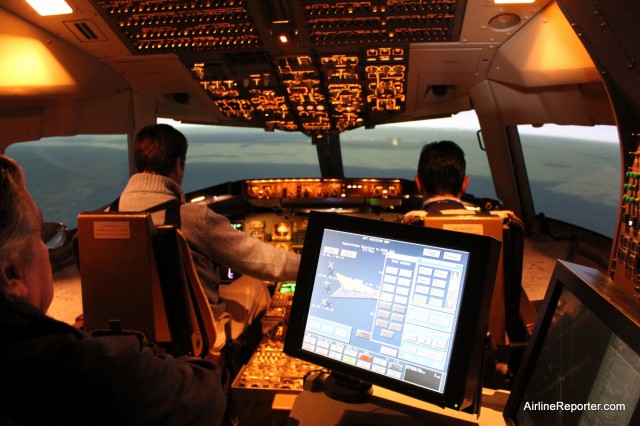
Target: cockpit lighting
pixel 50 7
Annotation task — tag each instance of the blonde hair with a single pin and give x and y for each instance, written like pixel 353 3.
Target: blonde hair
pixel 17 218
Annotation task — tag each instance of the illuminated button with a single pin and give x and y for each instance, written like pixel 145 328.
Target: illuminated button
pixel 256 224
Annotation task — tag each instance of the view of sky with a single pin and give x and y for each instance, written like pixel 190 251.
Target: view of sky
pixel 579 183
pixel 468 120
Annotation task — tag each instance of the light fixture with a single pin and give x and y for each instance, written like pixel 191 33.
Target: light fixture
pixel 282 30
pixel 504 21
pixel 50 7
pixel 28 66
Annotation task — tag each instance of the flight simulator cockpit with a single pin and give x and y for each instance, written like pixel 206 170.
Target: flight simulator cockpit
pixel 387 322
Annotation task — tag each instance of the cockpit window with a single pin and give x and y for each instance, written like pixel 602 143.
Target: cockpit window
pixel 70 175
pixel 574 173
pixel 222 154
pixel 219 154
pixel 392 150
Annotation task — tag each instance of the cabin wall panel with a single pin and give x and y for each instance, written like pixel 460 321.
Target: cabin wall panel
pixel 108 44
pixel 165 80
pixel 49 87
pixel 479 15
pixel 453 68
pixel 29 56
pixel 610 32
pixel 546 52
pixel 578 105
pixel 29 120
pixel 19 125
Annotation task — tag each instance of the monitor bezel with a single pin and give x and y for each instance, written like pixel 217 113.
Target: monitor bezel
pixel 616 309
pixel 464 382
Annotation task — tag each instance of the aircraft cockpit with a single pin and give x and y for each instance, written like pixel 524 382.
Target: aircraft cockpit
pixel 294 110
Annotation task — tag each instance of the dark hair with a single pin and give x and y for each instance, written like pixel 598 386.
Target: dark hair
pixel 157 147
pixel 442 168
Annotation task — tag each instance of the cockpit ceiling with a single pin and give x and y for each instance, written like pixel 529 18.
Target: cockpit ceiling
pixel 324 78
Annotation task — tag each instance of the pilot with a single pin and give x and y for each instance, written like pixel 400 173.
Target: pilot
pixel 159 157
pixel 441 179
pixel 52 373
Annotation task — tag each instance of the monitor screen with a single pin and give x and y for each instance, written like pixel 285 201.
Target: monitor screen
pixel 582 365
pixel 400 306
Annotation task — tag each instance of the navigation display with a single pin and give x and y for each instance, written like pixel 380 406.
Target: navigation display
pixel 387 306
pixel 582 365
pixel 399 306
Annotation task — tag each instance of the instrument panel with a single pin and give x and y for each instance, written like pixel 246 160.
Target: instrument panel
pixel 311 66
pixel 275 210
pixel 625 264
pixel 286 231
pixel 282 231
pixel 323 188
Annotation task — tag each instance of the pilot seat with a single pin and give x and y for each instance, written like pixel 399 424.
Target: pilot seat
pixel 510 318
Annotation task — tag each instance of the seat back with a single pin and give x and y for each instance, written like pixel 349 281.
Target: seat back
pixel 177 266
pixel 505 303
pixel 143 279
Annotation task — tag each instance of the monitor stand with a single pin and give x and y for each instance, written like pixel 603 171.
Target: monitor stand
pixel 314 407
pixel 346 389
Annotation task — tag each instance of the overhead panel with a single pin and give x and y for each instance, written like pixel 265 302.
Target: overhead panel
pixel 303 66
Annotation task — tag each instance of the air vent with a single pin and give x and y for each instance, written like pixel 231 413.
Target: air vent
pixel 86 31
